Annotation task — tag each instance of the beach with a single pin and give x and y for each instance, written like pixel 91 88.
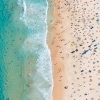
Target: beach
pixel 73 39
pixel 50 50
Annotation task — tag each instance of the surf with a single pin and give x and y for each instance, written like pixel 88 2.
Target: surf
pixel 34 17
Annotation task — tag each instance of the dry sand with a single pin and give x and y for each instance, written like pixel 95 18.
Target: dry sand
pixel 73 39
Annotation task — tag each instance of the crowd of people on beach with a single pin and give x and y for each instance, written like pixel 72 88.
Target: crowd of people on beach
pixel 76 43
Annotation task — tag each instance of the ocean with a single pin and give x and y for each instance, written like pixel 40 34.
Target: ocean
pixel 25 62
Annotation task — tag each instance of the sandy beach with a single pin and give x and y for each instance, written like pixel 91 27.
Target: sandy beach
pixel 56 43
pixel 73 39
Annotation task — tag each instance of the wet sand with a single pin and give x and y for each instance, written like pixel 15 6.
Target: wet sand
pixel 54 40
pixel 73 39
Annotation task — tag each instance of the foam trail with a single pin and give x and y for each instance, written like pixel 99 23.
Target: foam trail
pixel 34 17
pixel 24 5
pixel 49 50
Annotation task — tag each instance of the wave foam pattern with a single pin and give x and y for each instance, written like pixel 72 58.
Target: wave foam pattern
pixel 38 72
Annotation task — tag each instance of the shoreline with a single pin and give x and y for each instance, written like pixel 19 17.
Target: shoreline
pixel 46 21
pixel 49 11
pixel 52 14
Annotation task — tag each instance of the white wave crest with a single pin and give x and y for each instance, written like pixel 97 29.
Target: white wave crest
pixel 34 17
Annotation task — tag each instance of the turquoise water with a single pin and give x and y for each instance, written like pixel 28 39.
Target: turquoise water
pixel 25 64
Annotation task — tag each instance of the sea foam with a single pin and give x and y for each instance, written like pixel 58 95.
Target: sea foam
pixel 34 16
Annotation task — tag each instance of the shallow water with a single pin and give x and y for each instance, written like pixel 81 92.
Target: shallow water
pixel 25 63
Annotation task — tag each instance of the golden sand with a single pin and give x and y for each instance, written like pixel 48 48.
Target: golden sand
pixel 73 33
